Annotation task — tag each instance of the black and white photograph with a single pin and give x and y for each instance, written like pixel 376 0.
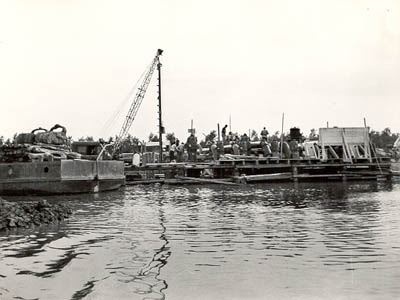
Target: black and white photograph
pixel 199 150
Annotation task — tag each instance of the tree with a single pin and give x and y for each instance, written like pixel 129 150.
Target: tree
pixel 1 140
pixel 171 137
pixel 254 136
pixel 130 144
pixel 153 137
pixel 69 141
pixel 275 136
pixel 209 138
pixel 384 139
pixel 387 131
pixel 313 135
pixel 15 138
pixel 86 139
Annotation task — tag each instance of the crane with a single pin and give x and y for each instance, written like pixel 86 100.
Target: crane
pixel 137 101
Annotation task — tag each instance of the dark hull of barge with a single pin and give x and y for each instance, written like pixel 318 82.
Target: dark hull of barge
pixel 60 177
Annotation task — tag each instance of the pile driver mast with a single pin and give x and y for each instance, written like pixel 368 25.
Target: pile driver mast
pixel 138 100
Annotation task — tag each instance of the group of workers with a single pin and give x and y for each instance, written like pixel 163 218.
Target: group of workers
pixel 231 137
pixel 177 150
pixel 234 144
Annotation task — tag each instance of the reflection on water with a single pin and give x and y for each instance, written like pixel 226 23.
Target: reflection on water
pixel 267 241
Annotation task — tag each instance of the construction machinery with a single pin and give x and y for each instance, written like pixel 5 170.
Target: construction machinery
pixel 134 108
pixel 137 101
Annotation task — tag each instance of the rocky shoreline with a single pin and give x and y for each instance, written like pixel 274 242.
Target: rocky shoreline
pixel 26 215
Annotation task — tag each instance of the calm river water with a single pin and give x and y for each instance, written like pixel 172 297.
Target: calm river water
pixel 270 241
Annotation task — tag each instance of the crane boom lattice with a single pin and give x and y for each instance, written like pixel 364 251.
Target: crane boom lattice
pixel 136 102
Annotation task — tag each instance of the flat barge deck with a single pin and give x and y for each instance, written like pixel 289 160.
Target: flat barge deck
pixel 262 170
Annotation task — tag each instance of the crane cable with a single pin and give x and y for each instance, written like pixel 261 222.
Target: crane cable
pixel 110 123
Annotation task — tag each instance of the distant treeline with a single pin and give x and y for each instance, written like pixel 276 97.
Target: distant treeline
pixel 381 139
pixel 384 139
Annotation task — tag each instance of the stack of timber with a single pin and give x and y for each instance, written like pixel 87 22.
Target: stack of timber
pixel 41 146
pixel 14 153
pixel 39 152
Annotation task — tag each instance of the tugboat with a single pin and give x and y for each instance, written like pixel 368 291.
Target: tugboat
pixel 42 163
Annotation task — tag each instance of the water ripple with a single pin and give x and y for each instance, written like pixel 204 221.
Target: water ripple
pixel 158 242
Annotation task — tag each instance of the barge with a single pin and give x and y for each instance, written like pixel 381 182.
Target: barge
pixel 43 164
pixel 60 177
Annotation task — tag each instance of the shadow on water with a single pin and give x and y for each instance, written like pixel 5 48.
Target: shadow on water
pixel 70 254
pixel 56 266
pixel 33 245
pixel 88 288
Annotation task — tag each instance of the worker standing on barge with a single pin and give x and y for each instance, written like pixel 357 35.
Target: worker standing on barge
pixel 264 134
pixel 245 144
pixel 180 149
pixel 191 146
pixel 214 150
pixel 235 148
pixel 172 150
pixel 223 133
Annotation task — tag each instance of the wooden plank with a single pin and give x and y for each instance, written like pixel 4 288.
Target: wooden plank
pixel 267 177
pixel 204 180
pixel 333 153
pixel 152 181
pixel 367 172
pixel 317 175
pixel 180 182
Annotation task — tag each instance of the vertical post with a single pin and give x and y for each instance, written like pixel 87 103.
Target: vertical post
pixel 218 132
pixel 191 126
pixel 294 174
pixel 283 120
pixel 367 149
pixel 160 127
pixel 327 124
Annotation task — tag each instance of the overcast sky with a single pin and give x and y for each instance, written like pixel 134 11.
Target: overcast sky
pixel 73 63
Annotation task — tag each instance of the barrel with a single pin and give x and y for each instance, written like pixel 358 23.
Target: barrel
pixel 295 134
